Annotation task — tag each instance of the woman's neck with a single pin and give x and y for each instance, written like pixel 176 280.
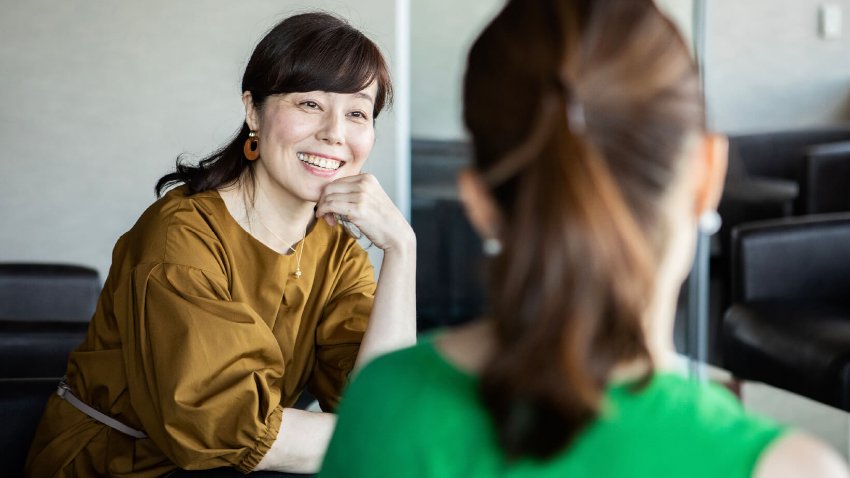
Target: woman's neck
pixel 658 327
pixel 273 217
pixel 469 347
pixel 276 203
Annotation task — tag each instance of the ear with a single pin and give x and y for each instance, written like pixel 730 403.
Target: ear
pixel 478 204
pixel 251 116
pixel 713 157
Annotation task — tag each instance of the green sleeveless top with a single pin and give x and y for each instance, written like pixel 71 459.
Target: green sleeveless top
pixel 413 414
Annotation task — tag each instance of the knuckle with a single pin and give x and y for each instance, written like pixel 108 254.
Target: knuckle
pixel 367 179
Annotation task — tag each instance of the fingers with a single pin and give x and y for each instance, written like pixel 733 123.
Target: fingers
pixel 350 205
pixel 352 197
pixel 352 183
pixel 365 205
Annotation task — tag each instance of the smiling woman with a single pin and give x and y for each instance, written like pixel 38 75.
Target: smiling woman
pixel 237 291
pixel 307 139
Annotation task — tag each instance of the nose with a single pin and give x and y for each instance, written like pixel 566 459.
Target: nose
pixel 332 130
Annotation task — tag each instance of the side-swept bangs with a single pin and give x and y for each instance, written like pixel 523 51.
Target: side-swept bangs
pixel 317 51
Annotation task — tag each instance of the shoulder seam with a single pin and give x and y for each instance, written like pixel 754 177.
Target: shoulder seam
pixel 178 264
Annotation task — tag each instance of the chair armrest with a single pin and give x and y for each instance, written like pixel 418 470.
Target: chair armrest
pixel 756 199
pixel 761 190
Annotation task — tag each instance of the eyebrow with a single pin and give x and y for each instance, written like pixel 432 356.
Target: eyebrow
pixel 365 96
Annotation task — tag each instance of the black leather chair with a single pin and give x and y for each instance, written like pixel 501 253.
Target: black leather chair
pixel 766 179
pixel 44 314
pixel 21 405
pixel 773 161
pixel 826 179
pixel 789 323
pixel 767 172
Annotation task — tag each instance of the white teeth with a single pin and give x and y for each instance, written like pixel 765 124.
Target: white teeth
pixel 318 161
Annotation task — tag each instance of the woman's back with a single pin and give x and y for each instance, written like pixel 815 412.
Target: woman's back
pixel 431 423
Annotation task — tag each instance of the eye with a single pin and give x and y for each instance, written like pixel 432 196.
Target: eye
pixel 310 104
pixel 359 115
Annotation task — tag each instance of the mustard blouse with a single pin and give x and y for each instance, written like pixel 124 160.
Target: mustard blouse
pixel 202 335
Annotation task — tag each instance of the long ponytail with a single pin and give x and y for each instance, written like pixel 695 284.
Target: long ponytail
pixel 561 322
pixel 579 111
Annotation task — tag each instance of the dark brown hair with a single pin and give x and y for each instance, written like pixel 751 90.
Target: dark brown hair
pixel 305 52
pixel 579 112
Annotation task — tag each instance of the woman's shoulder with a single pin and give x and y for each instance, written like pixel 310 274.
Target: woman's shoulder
pixel 416 372
pixel 690 419
pixel 708 407
pixel 416 390
pixel 178 206
pixel 398 364
pixel 800 454
pixel 176 228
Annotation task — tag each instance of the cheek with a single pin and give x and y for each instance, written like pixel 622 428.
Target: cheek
pixel 282 131
pixel 361 146
pixel 288 134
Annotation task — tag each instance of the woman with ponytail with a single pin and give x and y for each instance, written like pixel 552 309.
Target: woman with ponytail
pixel 242 287
pixel 591 170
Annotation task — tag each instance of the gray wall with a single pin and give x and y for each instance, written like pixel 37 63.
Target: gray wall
pixel 99 97
pixel 441 33
pixel 767 68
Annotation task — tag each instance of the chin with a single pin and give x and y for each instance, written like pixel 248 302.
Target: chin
pixel 314 198
pixel 311 195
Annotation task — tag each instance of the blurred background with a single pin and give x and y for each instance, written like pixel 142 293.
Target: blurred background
pixel 100 97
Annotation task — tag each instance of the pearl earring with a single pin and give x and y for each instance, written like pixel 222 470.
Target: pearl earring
pixel 710 222
pixel 492 246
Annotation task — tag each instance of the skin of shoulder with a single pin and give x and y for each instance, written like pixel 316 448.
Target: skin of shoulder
pixel 799 454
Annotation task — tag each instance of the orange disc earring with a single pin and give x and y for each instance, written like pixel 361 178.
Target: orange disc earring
pixel 252 146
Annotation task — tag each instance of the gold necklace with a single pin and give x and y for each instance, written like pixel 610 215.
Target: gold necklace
pixel 297 253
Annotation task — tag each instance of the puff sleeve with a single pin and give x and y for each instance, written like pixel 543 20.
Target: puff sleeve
pixel 203 371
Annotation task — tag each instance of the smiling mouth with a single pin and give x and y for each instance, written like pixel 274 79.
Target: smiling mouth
pixel 319 161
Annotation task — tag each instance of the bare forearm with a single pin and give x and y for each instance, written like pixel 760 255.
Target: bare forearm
pixel 392 324
pixel 301 442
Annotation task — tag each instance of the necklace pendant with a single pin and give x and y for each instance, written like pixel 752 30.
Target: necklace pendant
pixel 297 274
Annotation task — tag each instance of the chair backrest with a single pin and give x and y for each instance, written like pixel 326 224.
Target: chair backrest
pixel 826 183
pixel 780 154
pixel 47 292
pixel 435 163
pixel 804 258
pixel 44 313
